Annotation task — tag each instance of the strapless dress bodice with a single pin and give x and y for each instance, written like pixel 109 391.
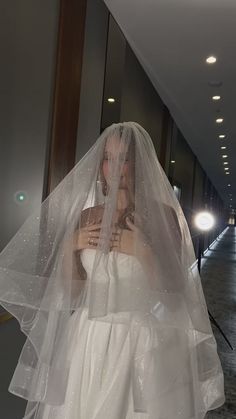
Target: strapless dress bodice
pixel 118 275
pixel 115 264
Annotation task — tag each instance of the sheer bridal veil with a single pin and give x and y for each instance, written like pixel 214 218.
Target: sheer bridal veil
pixel 43 282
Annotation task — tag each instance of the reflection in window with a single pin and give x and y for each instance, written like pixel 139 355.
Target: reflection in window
pixel 177 191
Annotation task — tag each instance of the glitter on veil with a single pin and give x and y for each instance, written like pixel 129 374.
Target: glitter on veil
pixel 43 283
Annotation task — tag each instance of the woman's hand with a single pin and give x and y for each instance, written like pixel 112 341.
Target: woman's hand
pixel 87 237
pixel 131 242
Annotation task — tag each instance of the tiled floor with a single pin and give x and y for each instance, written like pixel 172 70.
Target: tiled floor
pixel 219 284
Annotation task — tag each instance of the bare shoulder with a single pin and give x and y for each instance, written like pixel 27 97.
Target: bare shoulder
pixel 91 214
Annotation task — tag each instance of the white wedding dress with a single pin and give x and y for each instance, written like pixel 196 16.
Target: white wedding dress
pixel 101 383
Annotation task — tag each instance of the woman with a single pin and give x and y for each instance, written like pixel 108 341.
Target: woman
pixel 103 283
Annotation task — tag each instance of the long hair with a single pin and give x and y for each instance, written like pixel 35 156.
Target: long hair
pixel 130 179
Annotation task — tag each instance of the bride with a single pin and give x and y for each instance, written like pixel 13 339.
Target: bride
pixel 103 283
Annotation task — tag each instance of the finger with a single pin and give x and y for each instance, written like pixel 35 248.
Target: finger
pixel 91 222
pixel 93 234
pixel 94 227
pixel 135 227
pixel 102 236
pixel 118 230
pixel 96 240
pixel 92 241
pixel 97 226
pixel 130 224
pixel 116 239
pixel 90 247
pixel 117 248
pixel 115 235
pixel 115 242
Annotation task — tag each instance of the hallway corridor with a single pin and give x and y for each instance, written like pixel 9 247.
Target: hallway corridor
pixel 219 283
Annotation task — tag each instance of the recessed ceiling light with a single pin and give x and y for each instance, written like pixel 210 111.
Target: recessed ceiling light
pixel 111 100
pixel 224 156
pixel 219 120
pixel 229 184
pixel 231 199
pixel 172 161
pixel 216 97
pixel 225 162
pixel 222 136
pixel 211 60
pixel 223 147
pixel 227 173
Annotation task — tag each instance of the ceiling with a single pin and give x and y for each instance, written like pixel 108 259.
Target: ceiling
pixel 172 39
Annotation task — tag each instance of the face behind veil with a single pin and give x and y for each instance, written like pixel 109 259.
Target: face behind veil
pixel 142 269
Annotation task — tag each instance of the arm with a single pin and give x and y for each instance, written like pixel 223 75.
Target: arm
pixel 73 246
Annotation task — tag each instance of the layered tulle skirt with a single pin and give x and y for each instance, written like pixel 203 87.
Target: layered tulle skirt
pixel 111 378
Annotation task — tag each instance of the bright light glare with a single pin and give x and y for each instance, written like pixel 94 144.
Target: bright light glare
pixel 204 220
pixel 211 60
